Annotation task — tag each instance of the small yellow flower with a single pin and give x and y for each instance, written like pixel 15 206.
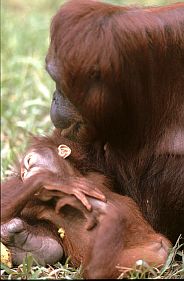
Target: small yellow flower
pixel 61 232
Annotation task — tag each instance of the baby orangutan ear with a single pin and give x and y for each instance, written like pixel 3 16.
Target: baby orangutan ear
pixel 64 151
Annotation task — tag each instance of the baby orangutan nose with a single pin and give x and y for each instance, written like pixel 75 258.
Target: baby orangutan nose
pixel 154 252
pixel 160 251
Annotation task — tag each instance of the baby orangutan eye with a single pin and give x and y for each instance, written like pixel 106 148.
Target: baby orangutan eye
pixel 26 165
pixel 64 151
pixel 29 160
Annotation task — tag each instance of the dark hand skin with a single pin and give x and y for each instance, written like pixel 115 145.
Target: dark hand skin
pixel 23 236
pixel 22 239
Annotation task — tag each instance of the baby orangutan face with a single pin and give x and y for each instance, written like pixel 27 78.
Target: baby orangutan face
pixel 42 159
pixel 62 178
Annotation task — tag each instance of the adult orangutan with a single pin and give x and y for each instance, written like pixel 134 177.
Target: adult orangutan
pixel 121 69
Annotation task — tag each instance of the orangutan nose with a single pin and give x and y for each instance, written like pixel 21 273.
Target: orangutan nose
pixel 160 250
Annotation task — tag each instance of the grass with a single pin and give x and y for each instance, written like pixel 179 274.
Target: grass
pixel 25 101
pixel 26 87
pixel 27 270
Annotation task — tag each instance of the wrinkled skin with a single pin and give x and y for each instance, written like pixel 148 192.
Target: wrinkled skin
pixel 62 112
pixel 21 240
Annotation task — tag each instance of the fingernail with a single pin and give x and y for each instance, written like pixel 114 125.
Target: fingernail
pixel 89 208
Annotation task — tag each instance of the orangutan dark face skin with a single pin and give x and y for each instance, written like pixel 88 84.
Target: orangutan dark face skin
pixel 100 234
pixel 62 112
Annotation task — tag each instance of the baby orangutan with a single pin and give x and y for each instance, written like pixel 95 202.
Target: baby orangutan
pixel 21 231
pixel 102 234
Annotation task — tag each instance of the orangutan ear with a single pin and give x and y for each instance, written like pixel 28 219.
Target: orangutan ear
pixel 64 151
